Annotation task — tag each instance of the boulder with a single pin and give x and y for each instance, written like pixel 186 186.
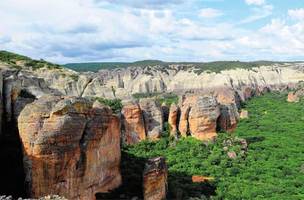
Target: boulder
pixel 153 117
pixel 243 114
pixel 293 97
pixel 133 127
pixel 173 119
pixel 155 183
pixel 71 147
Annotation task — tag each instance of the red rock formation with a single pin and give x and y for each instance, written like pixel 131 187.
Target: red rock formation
pixel 133 123
pixel 201 179
pixel 155 183
pixel 293 97
pixel 199 116
pixel 185 107
pixel 153 118
pixel 203 118
pixel 226 96
pixel 229 118
pixel 71 147
pixel 173 119
pixel 243 114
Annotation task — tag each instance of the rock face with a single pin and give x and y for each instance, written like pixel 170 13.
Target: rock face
pixel 155 183
pixel 229 118
pixel 133 127
pixel 199 116
pixel 1 102
pixel 173 119
pixel 71 147
pixel 153 118
pixel 203 118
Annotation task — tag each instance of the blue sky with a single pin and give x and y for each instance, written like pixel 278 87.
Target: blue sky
pixel 175 30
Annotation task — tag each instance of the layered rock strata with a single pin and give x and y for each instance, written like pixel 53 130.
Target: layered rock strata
pixel 153 118
pixel 133 126
pixel 155 184
pixel 71 147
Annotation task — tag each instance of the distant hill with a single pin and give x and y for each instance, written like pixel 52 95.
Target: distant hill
pixel 19 61
pixel 96 66
pixel 199 67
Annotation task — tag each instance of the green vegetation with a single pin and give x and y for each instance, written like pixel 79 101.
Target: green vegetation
pixel 114 104
pixel 167 98
pixel 19 61
pixel 75 77
pixel 272 168
pixel 96 66
pixel 199 67
pixel 227 65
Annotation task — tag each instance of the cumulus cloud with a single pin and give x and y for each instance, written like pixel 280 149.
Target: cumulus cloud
pixel 255 2
pixel 104 30
pixel 143 3
pixel 210 13
pixel 297 13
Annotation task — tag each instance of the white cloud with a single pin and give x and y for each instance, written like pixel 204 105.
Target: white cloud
pixel 255 2
pixel 258 13
pixel 210 13
pixel 79 31
pixel 297 13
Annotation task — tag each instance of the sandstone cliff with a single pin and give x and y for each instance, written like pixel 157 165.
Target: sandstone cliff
pixel 71 147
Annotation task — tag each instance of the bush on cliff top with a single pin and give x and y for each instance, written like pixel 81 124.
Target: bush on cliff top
pixel 114 104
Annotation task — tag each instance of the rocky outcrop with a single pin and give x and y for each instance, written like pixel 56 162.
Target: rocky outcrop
pixel 49 197
pixel 1 102
pixel 229 118
pixel 153 118
pixel 177 78
pixel 243 114
pixel 155 183
pixel 293 97
pixel 71 147
pixel 19 89
pixel 173 119
pixel 199 116
pixel 133 127
pixel 203 118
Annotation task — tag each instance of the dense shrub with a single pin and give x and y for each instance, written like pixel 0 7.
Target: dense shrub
pixel 273 167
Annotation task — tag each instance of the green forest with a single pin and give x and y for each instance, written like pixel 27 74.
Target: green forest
pixel 271 168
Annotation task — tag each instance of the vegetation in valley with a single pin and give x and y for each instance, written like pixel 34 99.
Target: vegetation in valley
pixel 19 61
pixel 272 167
pixel 167 98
